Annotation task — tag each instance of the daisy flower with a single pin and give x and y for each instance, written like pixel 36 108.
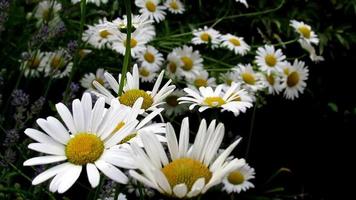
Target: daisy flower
pixel 207 98
pixel 172 106
pixel 273 83
pixel 250 79
pixel 173 63
pixel 88 143
pixel 151 58
pixel 243 2
pixel 236 44
pixel 174 6
pixel 294 80
pixel 206 36
pixel 201 79
pixel 137 43
pixel 187 171
pixel 239 179
pixel 147 74
pixel 268 59
pixel 99 35
pixel 34 65
pixel 58 64
pixel 47 10
pixel 191 61
pixel 305 32
pixel 151 9
pixel 87 80
pixel 132 91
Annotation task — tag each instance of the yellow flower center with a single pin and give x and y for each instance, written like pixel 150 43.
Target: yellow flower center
pixel 286 71
pixel 271 60
pixel 187 63
pixel 172 100
pixel 34 63
pixel 174 5
pixel 236 178
pixel 172 67
pixel 305 31
pixel 235 41
pixel 150 6
pixel 144 72
pixel 57 62
pixel 205 37
pixel 104 33
pixel 46 15
pixel 84 148
pixel 248 78
pixel 293 79
pixel 200 82
pixel 270 79
pixel 187 171
pixel 133 43
pixel 129 98
pixel 128 138
pixel 149 57
pixel 214 101
pixel 229 82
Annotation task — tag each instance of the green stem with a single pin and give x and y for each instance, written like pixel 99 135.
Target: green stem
pixel 128 46
pixel 142 195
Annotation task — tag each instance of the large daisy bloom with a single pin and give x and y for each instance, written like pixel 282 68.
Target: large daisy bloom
pixel 239 179
pixel 269 59
pixel 206 36
pixel 294 80
pixel 87 81
pixel 188 170
pixel 151 58
pixel 132 91
pixel 174 6
pixel 191 61
pixel 235 44
pixel 151 9
pixel 305 31
pixel 207 98
pixel 86 140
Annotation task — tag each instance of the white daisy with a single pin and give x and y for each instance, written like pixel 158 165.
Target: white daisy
pixel 250 79
pixel 206 36
pixel 243 2
pixel 268 59
pixel 34 65
pixel 173 63
pixel 191 61
pixel 273 83
pixel 294 81
pixel 175 6
pixel 239 179
pixel 305 32
pixel 201 79
pixel 151 58
pixel 57 64
pixel 151 9
pixel 87 80
pixel 99 35
pixel 207 98
pixel 147 74
pixel 187 171
pixel 47 10
pixel 172 106
pixel 88 143
pixel 137 43
pixel 132 91
pixel 236 44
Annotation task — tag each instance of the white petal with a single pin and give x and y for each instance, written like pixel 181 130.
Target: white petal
pixel 50 129
pixel 184 138
pixel 49 173
pixel 47 148
pixel 97 114
pixel 66 117
pixel 43 160
pixel 93 175
pixel 71 175
pixel 40 136
pixel 87 108
pixel 180 190
pixel 78 115
pixel 112 172
pixel 172 141
pixel 197 187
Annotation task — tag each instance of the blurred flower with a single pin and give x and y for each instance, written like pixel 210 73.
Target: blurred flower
pixel 174 6
pixel 201 79
pixel 311 50
pixel 97 2
pixel 172 106
pixel 34 64
pixel 249 79
pixel 191 62
pixel 294 80
pixel 243 2
pixel 236 44
pixel 238 180
pixel 206 36
pixel 151 58
pixel 87 81
pixel 268 59
pixel 57 64
pixel 305 32
pixel 147 74
pixel 151 9
pixel 47 10
pixel 11 138
pixel 273 82
pixel 19 98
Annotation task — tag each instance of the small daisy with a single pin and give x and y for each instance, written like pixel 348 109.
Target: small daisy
pixel 47 10
pixel 98 35
pixel 273 83
pixel 174 6
pixel 172 106
pixel 132 90
pixel 151 9
pixel 87 143
pixel 87 80
pixel 173 63
pixel 191 61
pixel 250 79
pixel 58 64
pixel 151 58
pixel 268 59
pixel 201 80
pixel 206 36
pixel 236 44
pixel 187 171
pixel 239 179
pixel 147 74
pixel 305 32
pixel 294 81
pixel 137 43
pixel 243 2
pixel 207 98
pixel 34 65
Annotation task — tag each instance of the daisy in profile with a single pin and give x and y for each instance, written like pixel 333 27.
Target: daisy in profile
pixel 147 74
pixel 174 6
pixel 250 79
pixel 294 80
pixel 201 80
pixel 239 179
pixel 58 64
pixel 206 36
pixel 151 58
pixel 84 141
pixel 235 44
pixel 311 50
pixel 132 91
pixel 172 107
pixel 268 59
pixel 191 61
pixel 151 9
pixel 47 11
pixel 305 32
pixel 34 65
pixel 188 170
pixel 273 82
pixel 207 98
pixel 99 35
pixel 137 43
pixel 87 81
pixel 173 63
pixel 243 2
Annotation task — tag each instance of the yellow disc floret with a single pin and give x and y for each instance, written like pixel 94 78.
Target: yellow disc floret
pixel 150 6
pixel 129 98
pixel 199 82
pixel 305 31
pixel 104 33
pixel 248 78
pixel 187 63
pixel 235 42
pixel 84 148
pixel 149 57
pixel 205 37
pixel 271 60
pixel 214 101
pixel 236 178
pixel 293 79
